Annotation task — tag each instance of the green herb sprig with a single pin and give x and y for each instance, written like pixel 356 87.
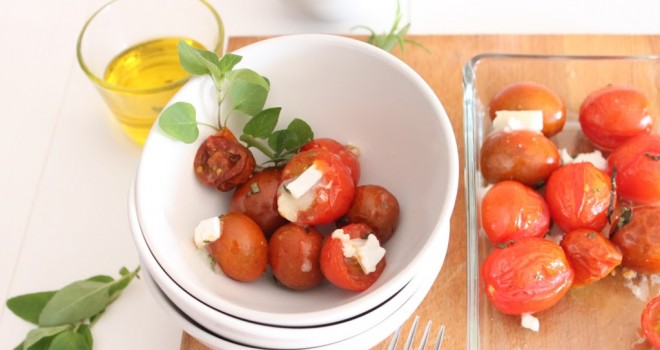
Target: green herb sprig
pixel 246 91
pixel 64 317
pixel 394 37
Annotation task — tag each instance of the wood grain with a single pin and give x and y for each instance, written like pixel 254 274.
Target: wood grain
pixel 441 67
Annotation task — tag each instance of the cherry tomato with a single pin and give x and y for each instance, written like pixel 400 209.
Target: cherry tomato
pixel 611 115
pixel 242 249
pixel 294 253
pixel 579 195
pixel 511 211
pixel 522 96
pixel 375 206
pixel 637 164
pixel 257 198
pixel 347 154
pixel 343 272
pixel 651 322
pixel 326 201
pixel 639 240
pixel 591 255
pixel 526 276
pixel 522 155
pixel 223 162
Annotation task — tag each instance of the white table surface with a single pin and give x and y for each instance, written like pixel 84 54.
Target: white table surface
pixel 66 165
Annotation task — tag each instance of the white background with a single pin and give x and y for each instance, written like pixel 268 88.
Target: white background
pixel 66 166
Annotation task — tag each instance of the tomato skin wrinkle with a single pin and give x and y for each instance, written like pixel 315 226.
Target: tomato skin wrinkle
pixel 526 276
pixel 579 196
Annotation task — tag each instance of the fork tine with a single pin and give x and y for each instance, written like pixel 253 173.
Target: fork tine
pixel 441 334
pixel 395 339
pixel 425 337
pixel 409 341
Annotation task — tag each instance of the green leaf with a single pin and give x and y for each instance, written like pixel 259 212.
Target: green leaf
pixel 248 91
pixel 101 278
pixel 302 134
pixel 196 61
pixel 69 340
pixel 179 122
pixel 86 332
pixel 263 124
pixel 75 302
pixel 277 139
pixel 123 282
pixel 38 334
pixel 29 306
pixel 228 61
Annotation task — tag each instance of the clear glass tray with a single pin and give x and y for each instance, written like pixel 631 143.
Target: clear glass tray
pixel 604 315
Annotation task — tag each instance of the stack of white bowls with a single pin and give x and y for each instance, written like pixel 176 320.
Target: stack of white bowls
pixel 346 90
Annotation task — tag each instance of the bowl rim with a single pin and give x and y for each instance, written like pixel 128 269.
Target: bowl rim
pixel 437 241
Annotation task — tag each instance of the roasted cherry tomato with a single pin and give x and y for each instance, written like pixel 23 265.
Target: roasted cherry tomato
pixel 348 272
pixel 639 239
pixel 579 195
pixel 347 154
pixel 322 201
pixel 637 164
pixel 523 96
pixel 242 249
pixel 223 162
pixel 611 115
pixel 512 211
pixel 257 198
pixel 526 276
pixel 522 155
pixel 375 206
pixel 294 255
pixel 651 322
pixel 591 255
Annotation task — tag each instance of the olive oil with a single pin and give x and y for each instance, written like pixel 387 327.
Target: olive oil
pixel 146 75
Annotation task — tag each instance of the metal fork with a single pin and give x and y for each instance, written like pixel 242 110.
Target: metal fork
pixel 425 337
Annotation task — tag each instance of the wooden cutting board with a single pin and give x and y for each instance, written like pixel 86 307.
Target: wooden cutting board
pixel 441 66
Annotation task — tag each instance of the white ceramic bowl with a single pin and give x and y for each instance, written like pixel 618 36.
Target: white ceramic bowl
pixel 347 90
pixel 365 340
pixel 272 337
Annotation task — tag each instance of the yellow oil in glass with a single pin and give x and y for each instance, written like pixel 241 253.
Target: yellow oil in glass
pixel 147 74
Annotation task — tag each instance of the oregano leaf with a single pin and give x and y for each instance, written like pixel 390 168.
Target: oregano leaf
pixel 228 61
pixel 69 340
pixel 302 133
pixel 277 140
pixel 29 306
pixel 248 91
pixel 196 61
pixel 263 123
pixel 179 121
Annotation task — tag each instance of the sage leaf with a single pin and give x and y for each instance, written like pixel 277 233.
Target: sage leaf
pixel 196 61
pixel 248 91
pixel 75 302
pixel 69 340
pixel 86 332
pixel 179 122
pixel 38 334
pixel 263 124
pixel 228 61
pixel 101 278
pixel 29 306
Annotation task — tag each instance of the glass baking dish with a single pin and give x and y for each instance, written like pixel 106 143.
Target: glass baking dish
pixel 604 315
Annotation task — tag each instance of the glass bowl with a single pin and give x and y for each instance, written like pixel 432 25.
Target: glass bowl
pixel 606 314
